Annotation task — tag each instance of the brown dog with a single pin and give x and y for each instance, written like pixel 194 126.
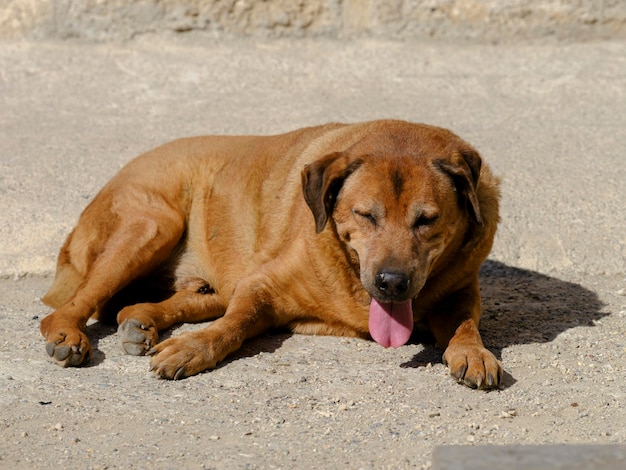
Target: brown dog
pixel 395 221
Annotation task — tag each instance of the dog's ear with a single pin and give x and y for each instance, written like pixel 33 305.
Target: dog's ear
pixel 464 170
pixel 321 182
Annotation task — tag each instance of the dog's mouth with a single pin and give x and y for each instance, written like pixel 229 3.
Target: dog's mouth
pixel 391 323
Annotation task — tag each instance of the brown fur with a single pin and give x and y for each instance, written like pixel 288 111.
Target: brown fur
pixel 218 228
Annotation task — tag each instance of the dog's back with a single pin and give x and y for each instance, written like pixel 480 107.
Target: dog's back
pixel 236 191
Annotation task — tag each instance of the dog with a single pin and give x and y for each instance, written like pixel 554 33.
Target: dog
pixel 360 230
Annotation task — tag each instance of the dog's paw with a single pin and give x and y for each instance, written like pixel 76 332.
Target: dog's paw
pixel 473 366
pixel 180 357
pixel 136 338
pixel 68 349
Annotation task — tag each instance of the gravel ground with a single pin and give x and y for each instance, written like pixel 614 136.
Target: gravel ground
pixel 289 401
pixel 548 118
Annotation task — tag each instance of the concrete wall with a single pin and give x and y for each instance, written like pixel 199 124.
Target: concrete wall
pixel 477 20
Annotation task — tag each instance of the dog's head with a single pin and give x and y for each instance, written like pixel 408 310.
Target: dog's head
pixel 399 200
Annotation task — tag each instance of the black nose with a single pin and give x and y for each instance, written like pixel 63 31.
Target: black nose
pixel 392 285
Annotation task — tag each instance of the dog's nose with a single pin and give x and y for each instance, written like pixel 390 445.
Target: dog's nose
pixel 392 284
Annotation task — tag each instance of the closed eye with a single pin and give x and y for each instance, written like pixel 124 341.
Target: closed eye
pixel 365 215
pixel 425 221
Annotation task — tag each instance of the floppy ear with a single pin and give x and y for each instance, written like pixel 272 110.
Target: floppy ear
pixel 464 170
pixel 321 182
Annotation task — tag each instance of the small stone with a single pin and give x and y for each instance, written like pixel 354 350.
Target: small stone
pixel 58 426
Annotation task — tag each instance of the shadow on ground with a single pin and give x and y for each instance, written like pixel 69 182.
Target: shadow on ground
pixel 95 332
pixel 524 307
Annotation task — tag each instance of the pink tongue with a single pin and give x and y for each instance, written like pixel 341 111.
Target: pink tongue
pixel 391 324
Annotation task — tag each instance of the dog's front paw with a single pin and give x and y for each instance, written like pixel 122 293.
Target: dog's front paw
pixel 71 348
pixel 473 366
pixel 65 342
pixel 180 357
pixel 136 338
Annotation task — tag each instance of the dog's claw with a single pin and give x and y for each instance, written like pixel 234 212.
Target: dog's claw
pixel 460 373
pixel 180 374
pixel 477 384
pixel 473 367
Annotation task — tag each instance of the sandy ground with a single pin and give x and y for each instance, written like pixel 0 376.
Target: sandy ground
pixel 548 118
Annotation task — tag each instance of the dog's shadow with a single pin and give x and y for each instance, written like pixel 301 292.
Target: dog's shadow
pixel 523 307
pixel 267 343
pixel 97 331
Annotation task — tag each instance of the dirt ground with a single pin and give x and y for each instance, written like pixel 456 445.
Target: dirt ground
pixel 550 119
pixel 288 401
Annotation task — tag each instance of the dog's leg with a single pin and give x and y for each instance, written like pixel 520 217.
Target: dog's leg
pixel 249 314
pixel 140 324
pixel 132 246
pixel 455 326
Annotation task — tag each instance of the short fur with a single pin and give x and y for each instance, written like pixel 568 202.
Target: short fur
pixel 294 230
